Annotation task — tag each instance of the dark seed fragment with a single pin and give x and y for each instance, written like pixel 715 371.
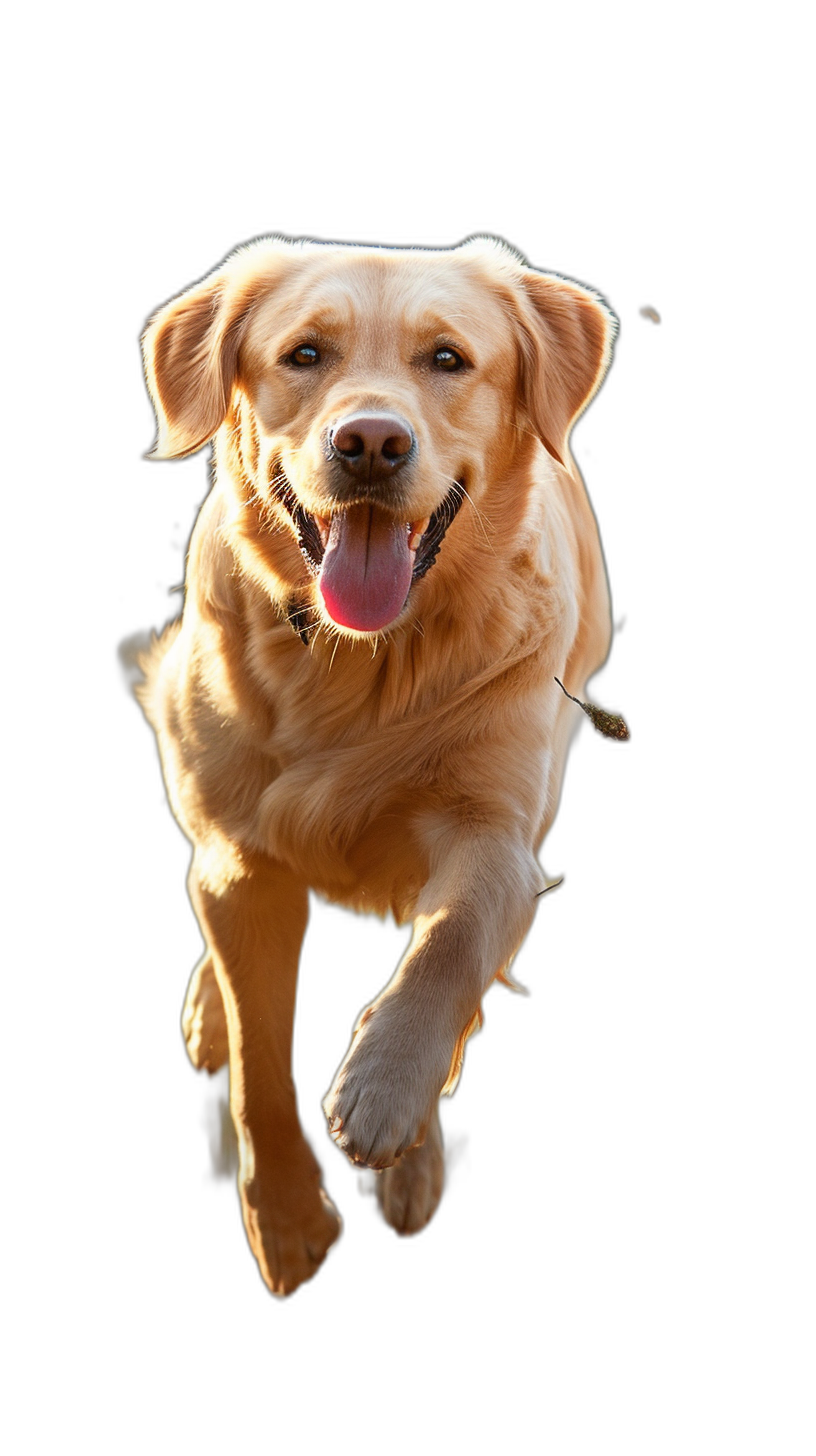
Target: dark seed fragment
pixel 610 724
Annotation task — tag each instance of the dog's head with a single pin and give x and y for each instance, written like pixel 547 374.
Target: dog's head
pixel 385 387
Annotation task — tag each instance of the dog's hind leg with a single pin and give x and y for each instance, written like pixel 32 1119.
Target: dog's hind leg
pixel 203 1020
pixel 409 1192
pixel 254 926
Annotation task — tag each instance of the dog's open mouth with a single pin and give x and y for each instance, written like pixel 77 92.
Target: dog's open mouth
pixel 364 559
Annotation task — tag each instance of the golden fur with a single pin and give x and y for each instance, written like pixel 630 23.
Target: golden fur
pixel 415 769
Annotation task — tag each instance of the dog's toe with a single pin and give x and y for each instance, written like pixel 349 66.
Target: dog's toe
pixel 369 1130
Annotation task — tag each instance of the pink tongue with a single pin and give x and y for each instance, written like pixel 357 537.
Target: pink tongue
pixel 366 571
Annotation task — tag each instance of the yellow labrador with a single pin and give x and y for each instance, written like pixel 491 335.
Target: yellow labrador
pixel 396 559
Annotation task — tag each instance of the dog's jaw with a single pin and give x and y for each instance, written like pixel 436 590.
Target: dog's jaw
pixel 415 551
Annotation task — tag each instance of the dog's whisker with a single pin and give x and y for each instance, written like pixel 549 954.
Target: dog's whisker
pixel 292 620
pixel 522 430
pixel 459 489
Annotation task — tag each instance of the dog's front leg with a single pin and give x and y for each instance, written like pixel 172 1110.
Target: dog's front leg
pixel 470 919
pixel 254 927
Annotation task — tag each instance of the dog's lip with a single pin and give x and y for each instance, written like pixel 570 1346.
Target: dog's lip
pixel 425 534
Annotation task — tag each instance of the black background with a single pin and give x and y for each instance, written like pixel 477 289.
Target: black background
pixel 564 1201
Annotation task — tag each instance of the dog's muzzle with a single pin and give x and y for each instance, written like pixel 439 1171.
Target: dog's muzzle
pixel 367 547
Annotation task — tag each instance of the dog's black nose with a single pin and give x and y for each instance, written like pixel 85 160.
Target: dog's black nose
pixel 371 447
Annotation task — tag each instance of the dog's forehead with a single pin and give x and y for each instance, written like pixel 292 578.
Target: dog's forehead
pixel 410 293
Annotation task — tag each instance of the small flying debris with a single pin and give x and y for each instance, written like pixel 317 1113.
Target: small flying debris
pixel 612 725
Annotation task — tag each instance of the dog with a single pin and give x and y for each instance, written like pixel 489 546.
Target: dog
pixel 395 560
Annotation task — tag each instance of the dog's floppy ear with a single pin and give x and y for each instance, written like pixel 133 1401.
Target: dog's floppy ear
pixel 191 346
pixel 566 338
pixel 191 355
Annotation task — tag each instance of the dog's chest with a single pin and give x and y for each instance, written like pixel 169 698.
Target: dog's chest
pixel 342 795
pixel 346 819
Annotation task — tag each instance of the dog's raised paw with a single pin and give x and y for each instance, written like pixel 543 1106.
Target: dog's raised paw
pixel 383 1098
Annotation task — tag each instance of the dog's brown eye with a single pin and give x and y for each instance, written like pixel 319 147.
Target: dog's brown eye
pixel 448 359
pixel 304 355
